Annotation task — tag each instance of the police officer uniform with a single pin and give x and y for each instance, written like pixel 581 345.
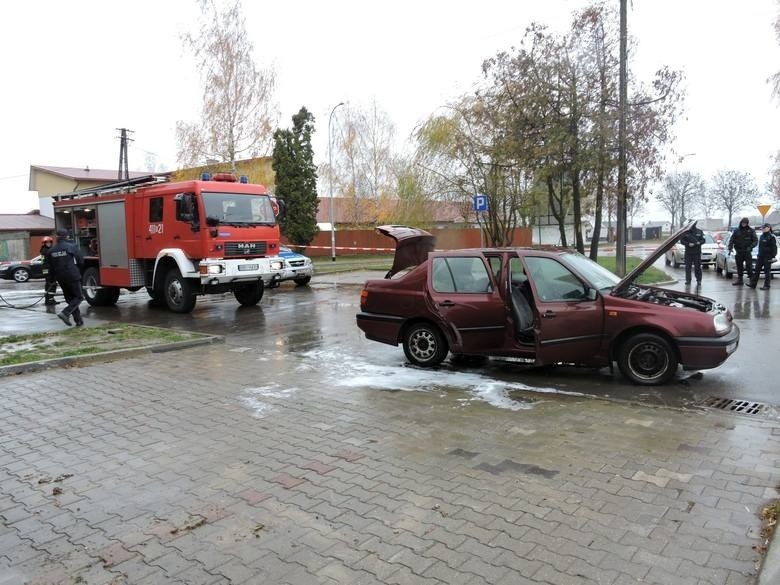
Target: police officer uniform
pixel 692 241
pixel 65 259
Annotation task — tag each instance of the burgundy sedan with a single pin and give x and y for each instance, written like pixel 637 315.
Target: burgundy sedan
pixel 547 305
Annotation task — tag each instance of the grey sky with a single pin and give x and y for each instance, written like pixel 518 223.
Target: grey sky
pixel 75 71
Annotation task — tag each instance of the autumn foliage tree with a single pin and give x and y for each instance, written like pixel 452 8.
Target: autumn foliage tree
pixel 541 130
pixel 238 114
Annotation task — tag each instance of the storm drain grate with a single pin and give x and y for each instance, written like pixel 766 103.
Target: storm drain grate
pixel 738 406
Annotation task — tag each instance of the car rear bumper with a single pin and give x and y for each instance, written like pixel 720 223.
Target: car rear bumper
pixel 380 327
pixel 701 353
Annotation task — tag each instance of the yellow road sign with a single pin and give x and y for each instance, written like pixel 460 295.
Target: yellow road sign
pixel 763 209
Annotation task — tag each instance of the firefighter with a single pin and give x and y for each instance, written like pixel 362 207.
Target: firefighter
pixel 51 284
pixel 65 261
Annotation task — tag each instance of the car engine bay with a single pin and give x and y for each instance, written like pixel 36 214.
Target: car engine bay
pixel 659 296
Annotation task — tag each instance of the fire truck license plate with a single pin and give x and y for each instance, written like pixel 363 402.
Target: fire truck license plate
pixel 243 267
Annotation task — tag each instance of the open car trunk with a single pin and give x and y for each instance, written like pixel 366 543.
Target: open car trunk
pixel 412 246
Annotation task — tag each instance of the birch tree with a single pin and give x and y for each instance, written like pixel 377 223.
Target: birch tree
pixel 238 113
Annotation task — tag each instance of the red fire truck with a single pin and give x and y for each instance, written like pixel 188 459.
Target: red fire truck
pixel 178 240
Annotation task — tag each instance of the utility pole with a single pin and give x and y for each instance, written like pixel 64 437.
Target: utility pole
pixel 622 190
pixel 330 185
pixel 124 172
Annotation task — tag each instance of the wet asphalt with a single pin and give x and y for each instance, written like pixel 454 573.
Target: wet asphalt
pixel 321 316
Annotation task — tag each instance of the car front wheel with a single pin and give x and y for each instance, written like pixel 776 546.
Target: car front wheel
pixel 302 280
pixel 21 275
pixel 424 345
pixel 647 359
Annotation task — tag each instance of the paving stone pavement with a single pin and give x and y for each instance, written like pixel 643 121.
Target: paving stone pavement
pixel 218 465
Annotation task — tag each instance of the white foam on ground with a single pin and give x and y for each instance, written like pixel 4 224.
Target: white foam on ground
pixel 355 372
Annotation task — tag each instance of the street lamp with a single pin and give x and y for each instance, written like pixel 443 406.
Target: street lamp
pixel 330 168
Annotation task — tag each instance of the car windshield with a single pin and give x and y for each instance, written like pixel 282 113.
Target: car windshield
pixel 708 239
pixel 598 276
pixel 237 209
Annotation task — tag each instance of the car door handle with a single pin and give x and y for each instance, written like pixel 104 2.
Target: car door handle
pixel 446 304
pixel 548 314
pixel 148 237
pixel 177 237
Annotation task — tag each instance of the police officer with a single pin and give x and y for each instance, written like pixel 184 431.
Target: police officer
pixel 64 261
pixel 767 251
pixel 51 283
pixel 743 240
pixel 692 241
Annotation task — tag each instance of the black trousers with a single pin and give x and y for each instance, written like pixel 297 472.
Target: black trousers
pixel 71 290
pixel 693 260
pixel 744 262
pixel 766 265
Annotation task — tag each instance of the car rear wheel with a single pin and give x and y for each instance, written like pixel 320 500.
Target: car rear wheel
pixel 647 359
pixel 94 294
pixel 21 275
pixel 248 294
pixel 667 261
pixel 424 345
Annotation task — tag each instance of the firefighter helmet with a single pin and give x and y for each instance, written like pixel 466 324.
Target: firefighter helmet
pixel 47 240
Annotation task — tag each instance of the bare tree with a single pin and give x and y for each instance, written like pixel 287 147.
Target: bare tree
pixel 364 161
pixel 733 191
pixel 679 195
pixel 238 114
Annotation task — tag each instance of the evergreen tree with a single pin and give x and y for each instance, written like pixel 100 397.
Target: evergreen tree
pixel 296 178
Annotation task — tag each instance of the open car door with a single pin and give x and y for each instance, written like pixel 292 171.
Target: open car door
pixel 412 246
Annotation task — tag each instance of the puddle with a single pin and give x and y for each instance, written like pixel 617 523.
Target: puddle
pixel 256 399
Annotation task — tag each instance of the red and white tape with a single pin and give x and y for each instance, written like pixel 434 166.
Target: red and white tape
pixel 351 248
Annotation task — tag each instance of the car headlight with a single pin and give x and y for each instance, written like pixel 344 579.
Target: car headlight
pixel 722 323
pixel 277 264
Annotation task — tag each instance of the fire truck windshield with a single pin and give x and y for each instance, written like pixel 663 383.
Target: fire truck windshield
pixel 237 209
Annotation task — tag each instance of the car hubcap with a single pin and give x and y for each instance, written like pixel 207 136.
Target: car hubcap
pixel 21 276
pixel 647 360
pixel 423 345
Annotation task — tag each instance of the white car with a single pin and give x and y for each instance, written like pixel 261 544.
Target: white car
pixel 676 256
pixel 297 267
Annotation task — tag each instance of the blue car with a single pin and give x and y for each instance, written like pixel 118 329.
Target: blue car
pixel 297 267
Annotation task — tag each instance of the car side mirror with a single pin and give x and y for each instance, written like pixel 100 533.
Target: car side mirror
pixel 591 294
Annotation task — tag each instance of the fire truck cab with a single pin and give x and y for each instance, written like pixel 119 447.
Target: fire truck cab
pixel 177 239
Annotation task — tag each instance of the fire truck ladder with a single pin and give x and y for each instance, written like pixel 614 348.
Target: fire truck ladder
pixel 116 187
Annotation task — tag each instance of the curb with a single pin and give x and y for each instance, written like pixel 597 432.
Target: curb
pixel 769 573
pixel 105 356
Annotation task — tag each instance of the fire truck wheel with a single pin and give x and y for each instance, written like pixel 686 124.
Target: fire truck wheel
pixel 249 294
pixel 94 294
pixel 178 292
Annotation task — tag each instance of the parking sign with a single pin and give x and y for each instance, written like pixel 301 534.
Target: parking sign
pixel 480 202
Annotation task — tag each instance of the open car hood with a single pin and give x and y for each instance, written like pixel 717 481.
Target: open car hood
pixel 412 246
pixel 629 278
